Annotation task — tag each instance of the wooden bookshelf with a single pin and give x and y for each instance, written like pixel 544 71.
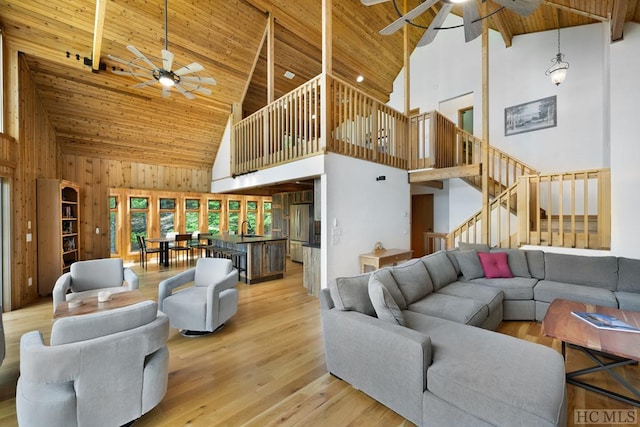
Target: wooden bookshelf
pixel 58 214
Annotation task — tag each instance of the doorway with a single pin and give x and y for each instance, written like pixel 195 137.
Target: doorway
pixel 421 221
pixel 465 119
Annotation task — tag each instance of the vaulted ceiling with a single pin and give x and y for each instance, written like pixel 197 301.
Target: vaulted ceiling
pixel 101 114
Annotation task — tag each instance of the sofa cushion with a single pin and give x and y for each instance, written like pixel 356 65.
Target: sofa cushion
pixel 384 304
pixel 628 275
pixel 475 370
pixel 492 297
pixel 516 288
pixel 451 253
pixel 352 294
pixel 413 280
pixel 547 291
pixel 495 265
pixel 594 271
pixel 440 269
pixel 628 300
pixel 450 307
pixel 535 262
pixel 470 265
pixel 517 261
pixel 386 278
pixel 88 326
pixel 478 247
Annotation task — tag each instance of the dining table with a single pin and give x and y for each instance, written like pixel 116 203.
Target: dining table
pixel 164 248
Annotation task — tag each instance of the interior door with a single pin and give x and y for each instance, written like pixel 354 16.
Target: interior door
pixel 421 221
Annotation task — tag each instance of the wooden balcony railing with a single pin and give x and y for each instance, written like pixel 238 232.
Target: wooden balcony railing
pixel 290 128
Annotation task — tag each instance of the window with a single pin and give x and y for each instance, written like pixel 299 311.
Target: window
pixel 113 216
pixel 213 216
pixel 266 222
pixel 192 215
pixel 234 216
pixel 139 215
pixel 252 217
pixel 167 215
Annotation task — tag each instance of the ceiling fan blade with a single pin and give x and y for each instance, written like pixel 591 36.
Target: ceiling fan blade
pixel 194 88
pixel 128 63
pixel 167 60
pixel 147 83
pixel 203 80
pixel 431 32
pixel 166 91
pixel 414 13
pixel 186 94
pixel 521 7
pixel 472 24
pixel 372 2
pixel 139 54
pixel 194 67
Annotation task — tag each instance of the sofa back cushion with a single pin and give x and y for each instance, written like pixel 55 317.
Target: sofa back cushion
pixel 89 326
pixel 628 275
pixel 535 261
pixel 440 269
pixel 352 294
pixel 412 279
pixel 386 278
pixel 96 274
pixel 469 264
pixel 517 261
pixel 595 271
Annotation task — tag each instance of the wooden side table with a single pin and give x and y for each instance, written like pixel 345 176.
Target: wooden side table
pixel 377 259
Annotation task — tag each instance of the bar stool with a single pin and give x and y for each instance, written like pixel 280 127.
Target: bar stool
pixel 238 259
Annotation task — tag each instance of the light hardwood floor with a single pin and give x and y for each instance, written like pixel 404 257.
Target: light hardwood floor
pixel 265 367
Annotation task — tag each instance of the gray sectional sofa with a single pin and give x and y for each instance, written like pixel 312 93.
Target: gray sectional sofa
pixel 418 337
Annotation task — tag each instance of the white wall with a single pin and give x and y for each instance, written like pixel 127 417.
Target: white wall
pixel 625 144
pixel 222 163
pixel 361 211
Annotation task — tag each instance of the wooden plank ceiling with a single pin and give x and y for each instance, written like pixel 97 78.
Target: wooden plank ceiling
pixel 102 115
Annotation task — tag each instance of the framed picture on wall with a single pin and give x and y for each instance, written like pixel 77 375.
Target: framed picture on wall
pixel 534 115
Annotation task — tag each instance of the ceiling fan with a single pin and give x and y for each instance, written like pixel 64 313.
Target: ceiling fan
pixel 470 16
pixel 185 79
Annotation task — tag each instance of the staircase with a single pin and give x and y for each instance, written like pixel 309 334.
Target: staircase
pixel 569 209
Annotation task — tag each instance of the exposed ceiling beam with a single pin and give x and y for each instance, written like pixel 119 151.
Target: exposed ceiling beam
pixel 618 16
pixel 577 11
pixel 503 27
pixel 98 29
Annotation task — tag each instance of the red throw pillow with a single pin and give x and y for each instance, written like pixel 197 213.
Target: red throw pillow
pixel 495 264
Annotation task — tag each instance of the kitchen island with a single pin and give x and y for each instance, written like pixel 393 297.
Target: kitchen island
pixel 265 255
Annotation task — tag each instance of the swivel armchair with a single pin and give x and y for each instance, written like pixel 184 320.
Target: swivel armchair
pixel 88 278
pixel 205 306
pixel 101 369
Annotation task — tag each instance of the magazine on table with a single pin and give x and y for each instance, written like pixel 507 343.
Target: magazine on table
pixel 605 321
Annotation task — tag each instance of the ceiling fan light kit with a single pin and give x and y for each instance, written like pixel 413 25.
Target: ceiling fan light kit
pixel 143 69
pixel 471 16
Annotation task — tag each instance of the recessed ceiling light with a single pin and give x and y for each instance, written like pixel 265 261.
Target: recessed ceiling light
pixel 360 79
pixel 289 74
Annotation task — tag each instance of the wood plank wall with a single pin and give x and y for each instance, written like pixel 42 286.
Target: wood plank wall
pixel 35 154
pixel 96 176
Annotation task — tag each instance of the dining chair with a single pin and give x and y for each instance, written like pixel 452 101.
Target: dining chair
pixel 145 251
pixel 181 245
pixel 198 245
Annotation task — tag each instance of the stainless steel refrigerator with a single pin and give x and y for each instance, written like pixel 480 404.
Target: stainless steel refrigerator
pixel 299 229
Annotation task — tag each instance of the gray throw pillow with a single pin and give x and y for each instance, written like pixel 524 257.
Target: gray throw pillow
pixel 469 264
pixel 384 304
pixel 386 278
pixel 352 294
pixel 517 261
